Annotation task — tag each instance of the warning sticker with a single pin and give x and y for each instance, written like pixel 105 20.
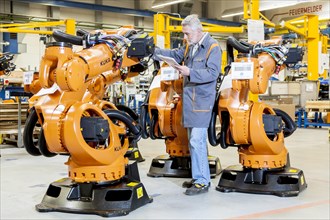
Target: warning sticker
pixel 139 192
pixel 302 180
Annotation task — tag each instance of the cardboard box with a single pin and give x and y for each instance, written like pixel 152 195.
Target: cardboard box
pixel 290 109
pixel 279 88
pixel 294 88
pixel 285 100
pixel 309 91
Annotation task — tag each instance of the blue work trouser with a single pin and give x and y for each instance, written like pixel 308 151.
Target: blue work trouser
pixel 199 155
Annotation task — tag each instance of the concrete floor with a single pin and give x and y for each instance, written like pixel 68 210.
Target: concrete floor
pixel 24 181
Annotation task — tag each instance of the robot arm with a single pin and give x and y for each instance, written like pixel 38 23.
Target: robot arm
pixel 106 52
pixel 6 66
pixel 163 108
pixel 255 128
pixel 73 117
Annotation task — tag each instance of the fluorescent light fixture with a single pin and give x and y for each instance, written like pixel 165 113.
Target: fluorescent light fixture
pixel 161 4
pixel 232 14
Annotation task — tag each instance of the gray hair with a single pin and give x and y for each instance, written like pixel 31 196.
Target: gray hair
pixel 193 22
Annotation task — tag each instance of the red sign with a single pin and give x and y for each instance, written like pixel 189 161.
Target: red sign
pixel 305 10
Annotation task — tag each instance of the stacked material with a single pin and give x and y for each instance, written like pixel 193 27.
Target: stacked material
pixel 318 106
pixel 9 120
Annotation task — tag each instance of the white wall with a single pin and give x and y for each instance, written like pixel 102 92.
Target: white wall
pixel 35 50
pixel 216 8
pixel 30 59
pixel 321 8
pixel 77 14
pixel 122 3
pixel 197 8
pixel 4 6
pixel 117 19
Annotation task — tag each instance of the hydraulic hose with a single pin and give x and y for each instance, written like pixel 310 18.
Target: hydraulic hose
pixel 130 33
pixel 128 120
pixel 224 128
pixel 156 67
pixel 214 139
pixel 237 45
pixel 153 121
pixel 43 145
pixel 60 36
pixel 246 44
pixel 211 131
pixel 290 125
pixel 82 32
pixel 28 142
pixel 143 120
pixel 144 107
pixel 129 111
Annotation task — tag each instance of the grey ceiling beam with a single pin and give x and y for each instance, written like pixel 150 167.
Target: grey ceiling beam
pixel 124 11
pixel 95 7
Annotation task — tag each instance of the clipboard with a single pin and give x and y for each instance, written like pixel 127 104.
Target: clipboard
pixel 169 60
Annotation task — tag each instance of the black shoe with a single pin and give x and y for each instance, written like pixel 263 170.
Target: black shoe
pixel 197 189
pixel 188 184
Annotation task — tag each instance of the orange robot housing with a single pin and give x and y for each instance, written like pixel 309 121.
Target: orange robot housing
pixel 161 118
pixel 76 121
pixel 256 129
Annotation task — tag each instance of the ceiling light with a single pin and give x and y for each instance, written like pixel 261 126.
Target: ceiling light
pixel 163 4
pixel 232 14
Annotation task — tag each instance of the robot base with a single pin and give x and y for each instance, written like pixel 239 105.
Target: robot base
pixel 134 154
pixel 165 166
pixel 106 199
pixel 284 182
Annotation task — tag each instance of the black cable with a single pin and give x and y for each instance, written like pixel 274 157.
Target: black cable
pixel 133 127
pixel 43 145
pixel 60 36
pixel 290 125
pixel 28 141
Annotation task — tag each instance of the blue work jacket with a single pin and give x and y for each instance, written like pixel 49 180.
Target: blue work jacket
pixel 199 89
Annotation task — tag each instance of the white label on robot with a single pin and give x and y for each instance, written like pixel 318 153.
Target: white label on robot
pixel 168 73
pixel 242 70
pixel 27 77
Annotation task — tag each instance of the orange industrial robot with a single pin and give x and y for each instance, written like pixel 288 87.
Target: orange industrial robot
pixel 256 129
pixel 75 121
pixel 6 66
pixel 160 118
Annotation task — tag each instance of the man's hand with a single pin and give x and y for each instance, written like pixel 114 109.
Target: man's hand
pixel 184 70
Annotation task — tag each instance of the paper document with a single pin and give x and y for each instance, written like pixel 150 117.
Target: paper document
pixel 226 83
pixel 48 91
pixel 169 60
pixel 155 83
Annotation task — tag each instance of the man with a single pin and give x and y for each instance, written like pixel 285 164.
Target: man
pixel 200 71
